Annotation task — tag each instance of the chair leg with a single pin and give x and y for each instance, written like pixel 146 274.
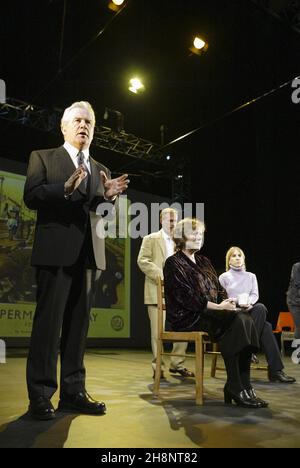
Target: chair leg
pixel 199 371
pixel 214 361
pixel 158 367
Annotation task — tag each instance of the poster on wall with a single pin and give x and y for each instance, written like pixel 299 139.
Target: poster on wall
pixel 110 313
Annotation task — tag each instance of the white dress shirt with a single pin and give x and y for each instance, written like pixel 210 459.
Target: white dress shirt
pixel 170 245
pixel 73 152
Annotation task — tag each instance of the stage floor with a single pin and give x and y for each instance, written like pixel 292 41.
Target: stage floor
pixel 123 379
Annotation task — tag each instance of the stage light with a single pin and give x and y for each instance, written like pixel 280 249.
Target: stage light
pixel 136 86
pixel 199 43
pixel 199 46
pixel 115 4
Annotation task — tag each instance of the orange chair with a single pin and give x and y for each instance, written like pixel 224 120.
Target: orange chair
pixel 285 326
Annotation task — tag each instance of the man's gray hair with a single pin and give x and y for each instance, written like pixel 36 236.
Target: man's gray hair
pixel 78 105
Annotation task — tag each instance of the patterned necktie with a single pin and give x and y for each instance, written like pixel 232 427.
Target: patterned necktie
pixel 80 159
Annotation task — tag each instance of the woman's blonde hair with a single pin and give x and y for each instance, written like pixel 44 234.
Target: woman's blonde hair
pixel 185 226
pixel 230 253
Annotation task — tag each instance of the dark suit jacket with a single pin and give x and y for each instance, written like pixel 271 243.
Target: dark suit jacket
pixel 61 224
pixel 293 292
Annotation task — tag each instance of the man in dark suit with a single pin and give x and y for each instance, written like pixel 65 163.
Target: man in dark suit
pixel 65 185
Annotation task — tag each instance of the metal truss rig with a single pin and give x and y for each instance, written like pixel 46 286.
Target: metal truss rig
pixel 32 116
pixel 49 121
pixel 128 144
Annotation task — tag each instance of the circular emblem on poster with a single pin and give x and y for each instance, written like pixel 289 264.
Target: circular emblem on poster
pixel 117 323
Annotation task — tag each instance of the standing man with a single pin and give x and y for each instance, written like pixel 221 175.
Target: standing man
pixel 65 185
pixel 154 251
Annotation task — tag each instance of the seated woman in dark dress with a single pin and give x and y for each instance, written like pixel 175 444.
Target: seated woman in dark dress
pixel 195 300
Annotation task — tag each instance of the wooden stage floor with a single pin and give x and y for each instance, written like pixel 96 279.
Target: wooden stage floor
pixel 123 379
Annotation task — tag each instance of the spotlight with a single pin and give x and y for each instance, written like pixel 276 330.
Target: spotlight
pixel 168 158
pixel 115 4
pixel 199 46
pixel 199 43
pixel 136 86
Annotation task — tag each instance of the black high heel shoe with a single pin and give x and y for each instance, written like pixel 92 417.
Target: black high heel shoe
pixel 253 396
pixel 241 399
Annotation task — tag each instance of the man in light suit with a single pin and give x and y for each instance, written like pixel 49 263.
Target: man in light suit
pixel 65 186
pixel 155 249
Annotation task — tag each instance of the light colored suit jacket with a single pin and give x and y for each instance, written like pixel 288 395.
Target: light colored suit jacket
pixel 151 260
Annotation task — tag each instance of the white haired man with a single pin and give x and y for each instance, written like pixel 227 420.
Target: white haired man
pixel 155 249
pixel 65 186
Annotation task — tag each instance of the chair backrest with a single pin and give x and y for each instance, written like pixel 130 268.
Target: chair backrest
pixel 285 322
pixel 161 306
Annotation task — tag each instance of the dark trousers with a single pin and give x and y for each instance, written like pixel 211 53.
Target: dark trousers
pixel 295 310
pixel 239 340
pixel 63 306
pixel 266 337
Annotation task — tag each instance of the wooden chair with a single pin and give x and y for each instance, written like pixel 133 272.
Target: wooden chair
pixel 163 336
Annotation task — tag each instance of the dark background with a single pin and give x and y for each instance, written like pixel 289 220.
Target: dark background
pixel 245 166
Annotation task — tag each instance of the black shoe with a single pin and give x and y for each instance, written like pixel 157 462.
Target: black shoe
pixel 41 409
pixel 281 377
pixel 183 372
pixel 162 377
pixel 241 399
pixel 253 396
pixel 81 403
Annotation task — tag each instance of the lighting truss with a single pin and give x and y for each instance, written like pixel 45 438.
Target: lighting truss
pixel 49 121
pixel 29 115
pixel 130 145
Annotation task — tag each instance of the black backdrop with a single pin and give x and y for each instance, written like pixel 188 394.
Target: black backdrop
pixel 248 164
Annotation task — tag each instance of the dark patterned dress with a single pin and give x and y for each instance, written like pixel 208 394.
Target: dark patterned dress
pixel 188 288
